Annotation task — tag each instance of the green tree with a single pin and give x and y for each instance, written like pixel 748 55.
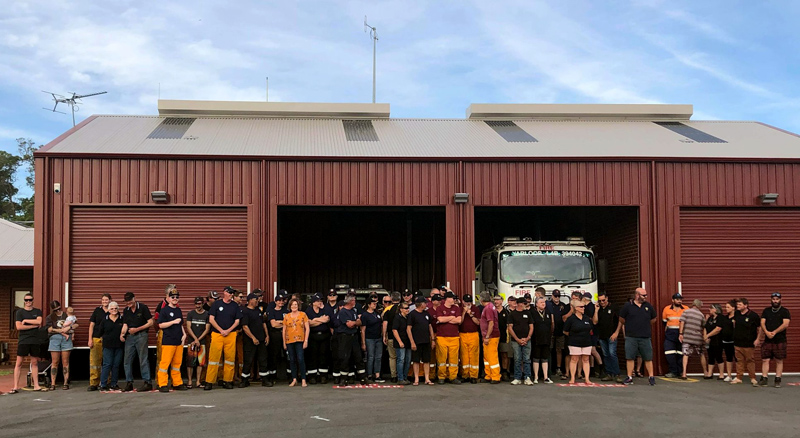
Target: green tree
pixel 8 167
pixel 25 148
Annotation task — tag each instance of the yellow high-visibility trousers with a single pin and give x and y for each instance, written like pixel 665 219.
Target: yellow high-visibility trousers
pixel 221 346
pixel 159 336
pixel 170 365
pixel 447 357
pixel 491 364
pixel 470 351
pixel 95 361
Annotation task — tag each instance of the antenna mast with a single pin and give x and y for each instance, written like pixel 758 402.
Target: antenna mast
pixel 373 33
pixel 73 101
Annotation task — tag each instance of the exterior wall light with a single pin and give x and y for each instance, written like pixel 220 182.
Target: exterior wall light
pixel 768 198
pixel 159 196
pixel 461 198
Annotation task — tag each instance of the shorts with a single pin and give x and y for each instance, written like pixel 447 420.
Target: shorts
pixel 638 347
pixel 32 350
pixel 422 354
pixel 715 354
pixel 198 357
pixel 557 342
pixel 690 350
pixel 730 351
pixel 771 350
pixel 505 347
pixel 580 351
pixel 540 352
pixel 59 343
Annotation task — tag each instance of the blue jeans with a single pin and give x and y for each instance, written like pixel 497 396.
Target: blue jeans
pixel 112 358
pixel 136 345
pixel 609 351
pixel 522 357
pixel 374 354
pixel 403 362
pixel 297 359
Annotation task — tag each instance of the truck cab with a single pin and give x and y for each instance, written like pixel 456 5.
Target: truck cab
pixel 518 266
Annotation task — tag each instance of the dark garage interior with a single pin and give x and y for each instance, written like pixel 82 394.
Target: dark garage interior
pixel 400 248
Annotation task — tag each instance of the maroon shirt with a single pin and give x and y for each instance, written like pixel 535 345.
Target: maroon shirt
pixel 467 324
pixel 490 314
pixel 447 329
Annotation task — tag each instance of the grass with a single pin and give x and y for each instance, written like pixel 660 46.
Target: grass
pixel 6 372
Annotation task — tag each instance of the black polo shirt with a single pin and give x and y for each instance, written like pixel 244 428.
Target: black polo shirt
pixel 541 326
pixel 312 313
pixel 774 319
pixel 419 323
pixel 225 314
pixel 171 335
pixel 745 328
pixel 97 318
pixel 254 320
pixel 520 322
pixel 502 322
pixel 400 323
pixel 726 322
pixel 607 321
pixel 274 314
pixel 710 325
pixel 637 319
pixel 137 317
pixel 580 331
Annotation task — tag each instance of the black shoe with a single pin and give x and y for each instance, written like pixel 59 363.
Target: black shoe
pixel 146 387
pixel 102 388
pixel 228 385
pixel 777 382
pixel 244 383
pixel 350 380
pixel 162 389
pixel 324 380
pixel 764 381
pixel 207 387
pixel 337 380
pixel 128 387
pixel 115 388
pixel 394 380
pixel 379 380
pixel 92 388
pixel 473 380
pixel 494 382
pixel 440 381
pixel 181 388
pixel 485 381
pixel 311 380
pixel 267 383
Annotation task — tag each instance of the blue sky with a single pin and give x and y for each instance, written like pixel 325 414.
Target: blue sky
pixel 734 60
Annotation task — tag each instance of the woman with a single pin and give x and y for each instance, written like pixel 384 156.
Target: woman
pixel 113 348
pixel 295 339
pixel 60 344
pixel 579 329
pixel 726 334
pixel 402 345
pixel 711 336
pixel 371 340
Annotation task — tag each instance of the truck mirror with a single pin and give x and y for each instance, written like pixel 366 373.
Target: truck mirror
pixel 602 271
pixel 488 269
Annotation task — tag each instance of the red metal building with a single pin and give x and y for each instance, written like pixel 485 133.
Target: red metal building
pixel 302 196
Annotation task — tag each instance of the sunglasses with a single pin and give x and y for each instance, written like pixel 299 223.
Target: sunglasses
pixel 28 300
pixel 175 296
pixel 387 301
pixel 113 308
pixel 580 306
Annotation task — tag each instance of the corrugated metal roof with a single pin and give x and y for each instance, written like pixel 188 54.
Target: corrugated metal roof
pixel 427 139
pixel 16 244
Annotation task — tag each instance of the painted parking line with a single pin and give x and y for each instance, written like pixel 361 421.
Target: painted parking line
pixel 316 417
pixel 678 380
pixel 198 406
pixel 593 385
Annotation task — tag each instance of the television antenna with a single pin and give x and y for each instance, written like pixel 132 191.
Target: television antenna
pixel 73 102
pixel 373 33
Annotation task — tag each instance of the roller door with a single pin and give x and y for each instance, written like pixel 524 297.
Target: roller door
pixel 743 252
pixel 143 249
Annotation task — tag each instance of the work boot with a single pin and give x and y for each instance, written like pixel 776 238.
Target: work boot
pixel 456 381
pixel 337 380
pixel 440 381
pixel 350 380
pixel 128 387
pixel 228 385
pixel 244 383
pixel 607 378
pixel 266 383
pixel 147 387
pixel 208 387
pixel 777 382
pixel 181 388
pixel 324 380
pixel 92 388
pixel 163 389
pixel 764 381
pixel 394 379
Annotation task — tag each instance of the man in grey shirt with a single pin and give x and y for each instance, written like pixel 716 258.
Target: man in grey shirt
pixel 691 335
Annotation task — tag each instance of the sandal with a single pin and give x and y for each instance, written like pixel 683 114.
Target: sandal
pixel 415 384
pixel 429 383
pixel 13 391
pixel 189 386
pixel 52 388
pixel 65 387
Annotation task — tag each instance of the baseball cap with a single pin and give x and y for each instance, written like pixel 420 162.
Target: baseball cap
pixel 282 294
pixel 527 296
pixel 407 293
pixel 449 294
pixel 512 298
pixel 332 293
pixel 173 293
pixel 420 300
pixel 587 295
pixel 258 292
pixel 252 296
pixel 467 297
pixel 435 298
pixel 199 300
pixel 776 294
pixel 229 290
pixel 315 298
pixel 556 293
pixel 128 296
pixel 677 297
pixel 213 294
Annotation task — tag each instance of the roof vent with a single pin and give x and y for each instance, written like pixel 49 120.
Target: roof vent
pixel 510 131
pixel 359 130
pixel 690 133
pixel 172 128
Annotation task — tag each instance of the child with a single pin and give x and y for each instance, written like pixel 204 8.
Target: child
pixel 71 319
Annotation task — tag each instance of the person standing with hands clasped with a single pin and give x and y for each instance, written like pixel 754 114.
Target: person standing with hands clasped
pixel 197 327
pixel 520 329
pixel 422 338
pixel 746 336
pixel 295 340
pixel 774 322
pixel 579 329
pixel 371 340
pixel 170 321
pixel 224 317
pixel 254 344
pixel 490 331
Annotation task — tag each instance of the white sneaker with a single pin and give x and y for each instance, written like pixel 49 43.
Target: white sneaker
pixel 727 379
pixel 516 382
pixel 528 381
pixel 547 380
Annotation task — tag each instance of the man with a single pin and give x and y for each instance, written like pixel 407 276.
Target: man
pixel 96 342
pixel 348 351
pixel 774 322
pixel 504 348
pixel 520 330
pixel 136 323
pixel 490 332
pixel 276 353
pixel 408 298
pixel 671 316
pixel 636 319
pixel 254 344
pixel 212 297
pixel 170 322
pixel 422 339
pixel 470 340
pixel 224 317
pixel 163 303
pixel 434 302
pixel 197 327
pixel 558 310
pixel 319 341
pixel 691 326
pixel 607 333
pixel 539 292
pixel 746 336
pixel 448 319
pixel 391 306
pixel 28 320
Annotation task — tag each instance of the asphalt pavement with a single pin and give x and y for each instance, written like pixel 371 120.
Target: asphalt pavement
pixel 694 408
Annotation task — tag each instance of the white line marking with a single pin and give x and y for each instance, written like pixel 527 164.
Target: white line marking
pixel 320 418
pixel 197 406
pixel 40 400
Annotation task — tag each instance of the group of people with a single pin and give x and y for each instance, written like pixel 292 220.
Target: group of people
pixel 233 338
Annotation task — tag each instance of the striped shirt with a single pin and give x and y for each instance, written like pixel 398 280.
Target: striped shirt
pixel 693 321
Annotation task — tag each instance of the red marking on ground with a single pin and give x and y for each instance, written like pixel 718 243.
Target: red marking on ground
pixel 368 387
pixel 794 384
pixel 593 385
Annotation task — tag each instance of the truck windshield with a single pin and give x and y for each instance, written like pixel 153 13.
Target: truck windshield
pixel 553 266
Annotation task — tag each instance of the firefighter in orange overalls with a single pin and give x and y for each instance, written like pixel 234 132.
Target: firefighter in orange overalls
pixel 224 317
pixel 470 340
